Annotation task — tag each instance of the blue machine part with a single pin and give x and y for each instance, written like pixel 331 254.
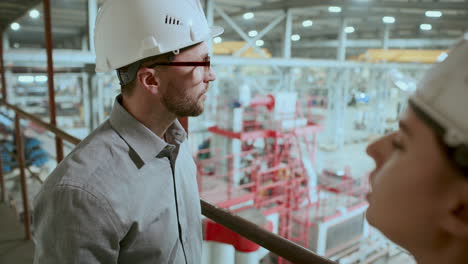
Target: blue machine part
pixel 34 154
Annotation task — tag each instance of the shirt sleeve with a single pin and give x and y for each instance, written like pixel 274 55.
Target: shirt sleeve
pixel 72 226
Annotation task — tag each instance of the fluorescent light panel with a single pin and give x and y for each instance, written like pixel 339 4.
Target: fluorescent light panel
pixel 307 23
pixel 334 9
pixel 433 13
pixel 388 19
pixel 425 27
pixel 248 15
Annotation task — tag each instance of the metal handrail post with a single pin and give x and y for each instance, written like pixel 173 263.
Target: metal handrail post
pixel 2 73
pixel 24 187
pixel 50 74
pixel 2 67
pixel 2 180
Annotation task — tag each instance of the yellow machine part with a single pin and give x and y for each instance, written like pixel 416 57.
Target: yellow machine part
pixel 402 55
pixel 230 47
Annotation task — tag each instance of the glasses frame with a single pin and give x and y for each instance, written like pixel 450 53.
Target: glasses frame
pixel 182 63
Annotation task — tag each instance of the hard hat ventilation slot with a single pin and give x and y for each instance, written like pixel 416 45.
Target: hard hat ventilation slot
pixel 172 21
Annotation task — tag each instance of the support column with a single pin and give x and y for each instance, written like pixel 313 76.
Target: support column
pixel 95 82
pixel 342 40
pixel 6 42
pixel 50 75
pixel 343 85
pixel 209 6
pixel 386 37
pixel 2 66
pixel 86 101
pixel 84 43
pixel 287 34
pixel 24 187
pixel 92 13
pixel 2 181
pixel 2 72
pixel 378 85
pixel 338 83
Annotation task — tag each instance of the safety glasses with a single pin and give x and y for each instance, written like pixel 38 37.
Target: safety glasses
pixel 206 64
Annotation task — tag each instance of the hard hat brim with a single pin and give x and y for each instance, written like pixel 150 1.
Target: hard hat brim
pixel 216 31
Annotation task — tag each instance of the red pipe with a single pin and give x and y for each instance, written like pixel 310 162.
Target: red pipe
pixel 24 187
pixel 268 101
pixel 50 75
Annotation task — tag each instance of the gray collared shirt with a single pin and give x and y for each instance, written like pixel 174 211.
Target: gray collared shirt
pixel 123 195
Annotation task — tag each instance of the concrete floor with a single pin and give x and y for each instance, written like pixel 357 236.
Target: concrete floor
pixel 14 249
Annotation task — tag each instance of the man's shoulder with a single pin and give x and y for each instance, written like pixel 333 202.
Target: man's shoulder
pixel 100 150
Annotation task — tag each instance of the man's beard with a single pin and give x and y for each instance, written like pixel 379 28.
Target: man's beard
pixel 183 105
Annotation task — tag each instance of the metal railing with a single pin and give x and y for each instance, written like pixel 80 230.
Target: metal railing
pixel 272 242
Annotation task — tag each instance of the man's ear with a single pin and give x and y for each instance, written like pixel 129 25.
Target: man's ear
pixel 148 79
pixel 455 221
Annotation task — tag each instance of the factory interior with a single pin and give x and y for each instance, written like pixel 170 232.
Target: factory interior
pixel 302 87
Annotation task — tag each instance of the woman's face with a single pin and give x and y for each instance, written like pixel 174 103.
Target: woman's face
pixel 410 194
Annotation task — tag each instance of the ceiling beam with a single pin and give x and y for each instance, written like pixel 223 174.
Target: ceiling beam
pixel 377 43
pixel 38 56
pixel 301 4
pixel 55 29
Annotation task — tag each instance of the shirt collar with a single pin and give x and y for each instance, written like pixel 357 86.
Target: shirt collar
pixel 141 139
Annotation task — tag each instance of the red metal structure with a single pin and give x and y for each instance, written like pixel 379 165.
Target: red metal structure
pixel 275 178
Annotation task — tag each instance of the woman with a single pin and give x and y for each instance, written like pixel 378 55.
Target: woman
pixel 419 196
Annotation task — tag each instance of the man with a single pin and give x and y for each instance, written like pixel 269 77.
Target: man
pixel 128 192
pixel 419 195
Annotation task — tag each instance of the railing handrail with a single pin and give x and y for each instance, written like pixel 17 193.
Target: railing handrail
pixel 58 132
pixel 272 242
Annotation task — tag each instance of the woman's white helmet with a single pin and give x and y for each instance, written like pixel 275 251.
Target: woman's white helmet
pixel 443 97
pixel 128 31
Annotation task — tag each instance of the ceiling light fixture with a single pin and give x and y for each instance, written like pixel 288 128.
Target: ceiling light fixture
pixel 425 27
pixel 334 9
pixel 40 78
pixel 248 16
pixel 350 30
pixel 15 26
pixel 388 19
pixel 296 37
pixel 307 23
pixel 433 13
pixel 253 33
pixel 34 14
pixel 217 40
pixel 26 79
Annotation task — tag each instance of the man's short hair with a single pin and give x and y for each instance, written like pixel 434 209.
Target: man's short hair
pixel 127 89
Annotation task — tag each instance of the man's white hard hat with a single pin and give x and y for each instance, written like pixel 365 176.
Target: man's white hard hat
pixel 443 97
pixel 128 31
